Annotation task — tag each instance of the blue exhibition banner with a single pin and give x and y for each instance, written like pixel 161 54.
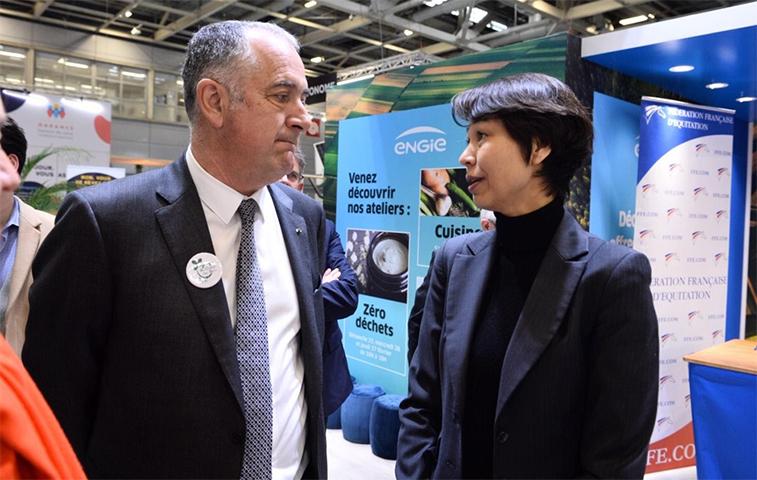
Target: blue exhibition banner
pixel 682 225
pixel 614 169
pixel 401 192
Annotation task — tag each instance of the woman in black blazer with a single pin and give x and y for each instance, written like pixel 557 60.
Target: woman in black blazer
pixel 538 349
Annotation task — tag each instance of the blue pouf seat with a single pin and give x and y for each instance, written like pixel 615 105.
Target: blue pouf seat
pixel 356 413
pixel 385 426
pixel 334 421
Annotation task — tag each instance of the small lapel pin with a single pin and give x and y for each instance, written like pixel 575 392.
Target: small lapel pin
pixel 204 270
pixel 298 231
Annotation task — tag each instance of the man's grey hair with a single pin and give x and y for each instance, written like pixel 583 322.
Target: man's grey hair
pixel 219 51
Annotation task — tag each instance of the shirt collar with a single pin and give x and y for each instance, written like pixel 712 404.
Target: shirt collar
pixel 221 199
pixel 15 215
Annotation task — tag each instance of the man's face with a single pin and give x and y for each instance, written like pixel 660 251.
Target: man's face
pixel 263 130
pixel 9 179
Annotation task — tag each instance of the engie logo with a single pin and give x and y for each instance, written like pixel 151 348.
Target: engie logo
pixel 56 110
pixel 420 145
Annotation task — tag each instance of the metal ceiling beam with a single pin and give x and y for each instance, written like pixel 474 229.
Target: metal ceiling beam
pixel 445 7
pixel 191 18
pixel 334 30
pixel 89 28
pixel 120 13
pixel 598 7
pixel 40 6
pixel 528 34
pixel 274 6
pixel 520 29
pixel 351 7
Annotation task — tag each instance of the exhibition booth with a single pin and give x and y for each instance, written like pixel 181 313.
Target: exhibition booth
pixel 671 176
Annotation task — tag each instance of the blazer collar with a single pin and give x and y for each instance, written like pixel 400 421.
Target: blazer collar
pixel 546 305
pixel 469 273
pixel 182 222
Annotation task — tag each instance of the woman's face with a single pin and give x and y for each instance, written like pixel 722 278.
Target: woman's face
pixel 498 176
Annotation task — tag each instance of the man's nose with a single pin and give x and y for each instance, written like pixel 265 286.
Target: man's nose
pixel 299 118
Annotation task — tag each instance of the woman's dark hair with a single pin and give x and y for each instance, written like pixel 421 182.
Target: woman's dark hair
pixel 534 107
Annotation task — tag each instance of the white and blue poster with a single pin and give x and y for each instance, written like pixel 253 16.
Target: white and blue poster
pixel 682 224
pixel 614 167
pixel 70 131
pixel 401 192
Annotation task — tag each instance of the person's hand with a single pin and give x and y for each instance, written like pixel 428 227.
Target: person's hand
pixel 330 275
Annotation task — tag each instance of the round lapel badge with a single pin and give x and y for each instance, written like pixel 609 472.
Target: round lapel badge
pixel 204 270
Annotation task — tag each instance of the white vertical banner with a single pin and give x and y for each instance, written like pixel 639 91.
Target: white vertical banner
pixel 75 131
pixel 682 226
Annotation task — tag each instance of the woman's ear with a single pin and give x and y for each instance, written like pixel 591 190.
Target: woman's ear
pixel 539 152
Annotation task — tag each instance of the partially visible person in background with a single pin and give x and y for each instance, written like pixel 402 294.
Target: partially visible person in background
pixel 340 294
pixel 561 320
pixel 488 220
pixel 488 223
pixel 32 444
pixel 23 231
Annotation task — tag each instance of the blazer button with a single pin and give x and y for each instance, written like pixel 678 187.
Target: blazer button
pixel 502 437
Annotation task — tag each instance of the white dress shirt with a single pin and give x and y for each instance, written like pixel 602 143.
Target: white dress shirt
pixel 220 203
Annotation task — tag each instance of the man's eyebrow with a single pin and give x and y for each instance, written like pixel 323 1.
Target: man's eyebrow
pixel 283 83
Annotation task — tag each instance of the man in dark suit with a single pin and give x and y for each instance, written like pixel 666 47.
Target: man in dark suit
pixel 176 324
pixel 538 351
pixel 340 294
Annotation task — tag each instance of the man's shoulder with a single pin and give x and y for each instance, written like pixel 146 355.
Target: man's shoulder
pixel 35 217
pixel 134 191
pixel 300 202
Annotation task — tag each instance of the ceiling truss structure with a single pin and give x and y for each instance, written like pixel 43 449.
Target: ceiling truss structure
pixel 348 36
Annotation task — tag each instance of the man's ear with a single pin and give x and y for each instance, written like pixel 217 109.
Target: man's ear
pixel 539 152
pixel 212 101
pixel 14 160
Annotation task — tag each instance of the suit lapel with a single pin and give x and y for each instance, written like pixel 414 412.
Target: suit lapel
pixel 298 244
pixel 546 305
pixel 182 222
pixel 29 237
pixel 469 273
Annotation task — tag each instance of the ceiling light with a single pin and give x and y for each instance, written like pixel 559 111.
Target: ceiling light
pixel 746 99
pixel 12 54
pixel 133 75
pixel 681 68
pixel 311 4
pixel 317 59
pixel 127 13
pixel 632 20
pixel 477 14
pixel 592 29
pixel 407 32
pixel 716 85
pixel 651 16
pixel 136 30
pixel 497 26
pixel 433 3
pixel 65 62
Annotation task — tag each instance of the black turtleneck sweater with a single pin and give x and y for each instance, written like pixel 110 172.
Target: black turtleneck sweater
pixel 521 244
